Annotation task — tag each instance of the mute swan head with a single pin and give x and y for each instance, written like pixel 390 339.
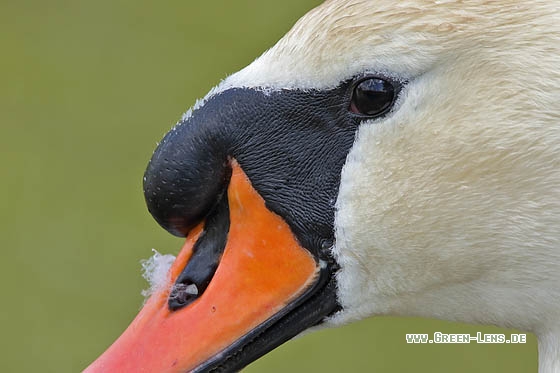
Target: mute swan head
pixel 445 205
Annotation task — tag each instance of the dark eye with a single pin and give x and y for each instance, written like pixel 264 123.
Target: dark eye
pixel 372 97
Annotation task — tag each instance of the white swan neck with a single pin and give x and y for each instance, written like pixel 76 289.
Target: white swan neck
pixel 549 351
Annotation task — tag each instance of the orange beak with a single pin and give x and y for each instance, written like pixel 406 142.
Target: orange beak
pixel 262 275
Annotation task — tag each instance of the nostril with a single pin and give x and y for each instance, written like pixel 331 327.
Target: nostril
pixel 204 261
pixel 182 294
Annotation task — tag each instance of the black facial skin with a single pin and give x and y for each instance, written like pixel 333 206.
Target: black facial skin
pixel 292 145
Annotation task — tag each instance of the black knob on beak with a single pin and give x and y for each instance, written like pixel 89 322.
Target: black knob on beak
pixel 187 175
pixel 291 145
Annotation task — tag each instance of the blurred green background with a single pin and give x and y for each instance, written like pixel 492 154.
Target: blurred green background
pixel 86 91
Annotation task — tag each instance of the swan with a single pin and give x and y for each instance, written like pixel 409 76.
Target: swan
pixel 383 158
